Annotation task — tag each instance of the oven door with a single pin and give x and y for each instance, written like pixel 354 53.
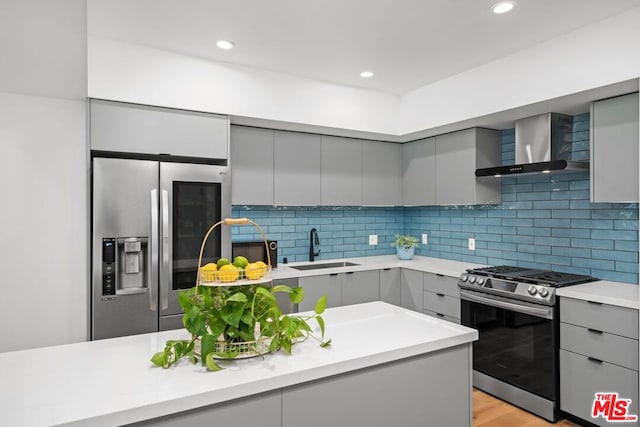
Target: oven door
pixel 517 341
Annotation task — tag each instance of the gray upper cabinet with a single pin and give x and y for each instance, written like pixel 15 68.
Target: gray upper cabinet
pixel 132 128
pixel 252 171
pixel 297 169
pixel 458 155
pixel 381 174
pixel 418 163
pixel 341 171
pixel 614 149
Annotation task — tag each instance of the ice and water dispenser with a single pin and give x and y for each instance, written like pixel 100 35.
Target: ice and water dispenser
pixel 123 265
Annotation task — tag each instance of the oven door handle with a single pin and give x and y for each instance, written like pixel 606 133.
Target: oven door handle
pixel 545 313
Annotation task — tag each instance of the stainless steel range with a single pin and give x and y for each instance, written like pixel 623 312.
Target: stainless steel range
pixel 515 311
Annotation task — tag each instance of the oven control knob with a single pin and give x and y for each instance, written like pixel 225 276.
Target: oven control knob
pixel 480 281
pixel 543 292
pixel 472 279
pixel 464 277
pixel 532 290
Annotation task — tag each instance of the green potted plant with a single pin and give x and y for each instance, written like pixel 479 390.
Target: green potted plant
pixel 228 322
pixel 405 246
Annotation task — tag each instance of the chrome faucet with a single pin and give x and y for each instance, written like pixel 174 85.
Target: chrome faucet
pixel 313 239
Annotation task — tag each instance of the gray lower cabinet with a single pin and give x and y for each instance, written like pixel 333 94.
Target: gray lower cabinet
pixel 441 297
pixel 297 169
pixel 341 288
pixel 341 171
pixel 411 290
pixel 133 128
pixel 614 149
pixel 424 390
pixel 390 285
pixel 381 174
pixel 361 286
pixel 458 155
pixel 252 171
pixel 261 410
pixel 582 377
pixel 316 286
pixel 598 354
pixel 419 166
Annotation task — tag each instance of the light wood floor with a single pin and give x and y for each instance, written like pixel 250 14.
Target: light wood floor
pixel 491 412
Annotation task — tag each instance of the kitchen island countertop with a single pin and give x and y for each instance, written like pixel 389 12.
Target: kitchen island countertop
pixel 112 382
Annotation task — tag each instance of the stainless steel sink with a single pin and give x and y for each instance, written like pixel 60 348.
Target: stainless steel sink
pixel 318 266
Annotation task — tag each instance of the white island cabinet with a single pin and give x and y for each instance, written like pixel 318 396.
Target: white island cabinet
pixel 386 366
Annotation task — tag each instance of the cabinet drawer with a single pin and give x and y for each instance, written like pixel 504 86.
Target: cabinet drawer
pixel 600 345
pixel 581 378
pixel 443 304
pixel 603 317
pixel 441 284
pixel 441 316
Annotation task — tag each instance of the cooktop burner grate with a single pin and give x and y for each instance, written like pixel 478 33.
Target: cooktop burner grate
pixel 537 277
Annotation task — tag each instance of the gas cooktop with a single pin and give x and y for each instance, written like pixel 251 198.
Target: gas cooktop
pixel 549 278
pixel 526 284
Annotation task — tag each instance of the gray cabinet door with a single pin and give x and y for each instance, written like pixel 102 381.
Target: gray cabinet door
pixel 262 410
pixel 411 292
pixel 381 174
pixel 614 149
pixel 132 128
pixel 316 286
pixel 582 377
pixel 296 169
pixel 341 171
pixel 418 163
pixel 426 390
pixel 360 286
pixel 251 166
pixel 458 155
pixel 390 285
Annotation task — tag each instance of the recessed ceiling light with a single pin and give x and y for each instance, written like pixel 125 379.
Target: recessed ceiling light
pixel 225 44
pixel 366 74
pixel 503 7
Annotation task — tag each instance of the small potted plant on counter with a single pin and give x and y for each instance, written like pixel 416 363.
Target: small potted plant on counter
pixel 405 246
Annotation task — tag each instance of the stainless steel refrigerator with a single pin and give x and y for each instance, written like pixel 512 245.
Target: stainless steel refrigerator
pixel 148 221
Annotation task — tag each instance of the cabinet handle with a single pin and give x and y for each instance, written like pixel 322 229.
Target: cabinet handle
pixel 349 272
pixel 386 269
pixel 439 314
pixel 440 295
pixel 594 360
pixel 333 274
pixel 594 302
pixel 595 331
pixel 439 275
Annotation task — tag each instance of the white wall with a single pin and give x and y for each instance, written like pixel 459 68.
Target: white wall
pixel 126 72
pixel 43 174
pixel 596 55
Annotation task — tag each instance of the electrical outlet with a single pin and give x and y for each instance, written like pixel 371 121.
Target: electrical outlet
pixel 472 244
pixel 373 239
pixel 424 239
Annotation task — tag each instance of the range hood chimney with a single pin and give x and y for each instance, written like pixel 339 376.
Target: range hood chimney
pixel 543 145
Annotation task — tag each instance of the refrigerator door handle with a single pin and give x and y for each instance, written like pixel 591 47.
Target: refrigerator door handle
pixel 153 244
pixel 164 279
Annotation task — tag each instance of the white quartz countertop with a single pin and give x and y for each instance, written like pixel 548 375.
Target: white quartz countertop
pixel 426 264
pixel 604 291
pixel 112 382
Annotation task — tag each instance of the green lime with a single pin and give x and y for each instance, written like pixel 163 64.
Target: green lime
pixel 221 262
pixel 240 262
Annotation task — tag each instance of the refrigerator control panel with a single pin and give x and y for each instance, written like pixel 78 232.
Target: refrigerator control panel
pixel 109 266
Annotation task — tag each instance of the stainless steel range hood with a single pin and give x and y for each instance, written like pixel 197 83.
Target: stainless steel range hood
pixel 543 145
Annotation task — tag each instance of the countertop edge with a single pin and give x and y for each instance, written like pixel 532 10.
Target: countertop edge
pixel 606 292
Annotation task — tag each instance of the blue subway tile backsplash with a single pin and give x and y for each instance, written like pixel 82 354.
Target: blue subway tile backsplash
pixel 544 221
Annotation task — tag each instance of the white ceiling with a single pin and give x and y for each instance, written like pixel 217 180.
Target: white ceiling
pixel 407 43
